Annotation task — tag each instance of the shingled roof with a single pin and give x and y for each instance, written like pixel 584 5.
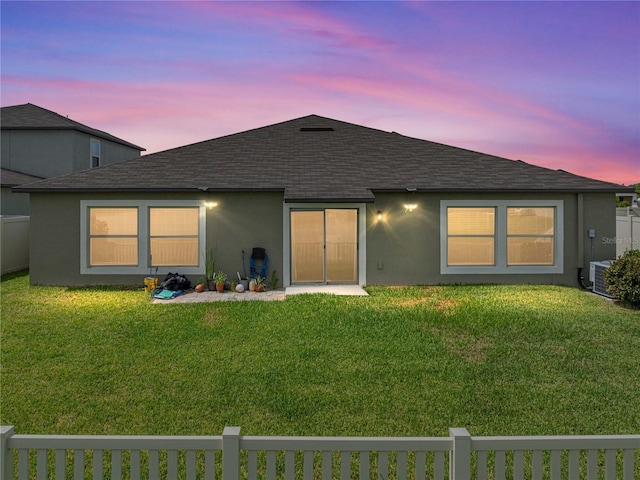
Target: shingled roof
pixel 10 178
pixel 33 117
pixel 317 159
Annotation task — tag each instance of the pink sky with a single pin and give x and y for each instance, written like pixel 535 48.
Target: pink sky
pixel 555 84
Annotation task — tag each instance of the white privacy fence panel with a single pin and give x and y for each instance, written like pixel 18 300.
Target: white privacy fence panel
pixel 627 234
pixel 14 243
pixel 233 456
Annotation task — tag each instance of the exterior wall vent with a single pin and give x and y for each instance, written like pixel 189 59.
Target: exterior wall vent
pixel 316 129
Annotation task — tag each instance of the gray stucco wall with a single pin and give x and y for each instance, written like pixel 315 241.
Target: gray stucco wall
pixel 403 249
pixel 240 221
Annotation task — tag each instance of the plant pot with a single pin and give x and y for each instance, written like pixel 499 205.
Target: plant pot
pixel 245 284
pixel 220 287
pixel 211 285
pixel 259 288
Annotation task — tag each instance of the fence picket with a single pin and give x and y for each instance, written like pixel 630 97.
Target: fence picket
pixel 438 466
pixel 61 464
pixel 78 464
pixel 289 465
pixel 536 465
pixel 556 465
pixel 627 464
pixel 518 465
pixel 574 464
pixel 135 464
pixel 327 465
pixel 23 464
pixel 610 464
pixel 97 467
pixel 209 465
pixel 401 465
pixel 41 464
pixel 421 465
pixel 271 465
pixel 592 464
pixel 154 465
pixel 364 465
pixel 191 464
pixel 307 468
pixel 345 465
pixel 500 465
pixel 481 468
pixel 383 464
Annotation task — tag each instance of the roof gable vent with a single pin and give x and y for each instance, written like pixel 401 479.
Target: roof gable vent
pixel 316 129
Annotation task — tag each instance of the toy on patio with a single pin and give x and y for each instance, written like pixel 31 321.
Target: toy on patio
pixel 150 284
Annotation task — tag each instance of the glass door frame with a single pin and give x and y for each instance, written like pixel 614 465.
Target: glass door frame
pixel 361 236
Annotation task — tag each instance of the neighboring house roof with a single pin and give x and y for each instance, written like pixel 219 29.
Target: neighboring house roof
pixel 9 178
pixel 32 117
pixel 315 158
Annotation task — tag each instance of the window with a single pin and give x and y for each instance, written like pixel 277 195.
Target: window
pixel 501 236
pixel 173 234
pixel 530 236
pixel 471 236
pixel 95 153
pixel 113 234
pixel 132 237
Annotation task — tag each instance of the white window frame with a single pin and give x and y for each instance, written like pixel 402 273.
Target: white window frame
pixel 501 266
pixel 143 266
pixel 91 143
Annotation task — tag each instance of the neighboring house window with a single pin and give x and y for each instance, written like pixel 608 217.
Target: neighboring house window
pixel 501 236
pixel 173 234
pixel 113 236
pixel 131 237
pixel 95 153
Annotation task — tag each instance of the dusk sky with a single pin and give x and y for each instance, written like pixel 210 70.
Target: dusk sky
pixel 555 84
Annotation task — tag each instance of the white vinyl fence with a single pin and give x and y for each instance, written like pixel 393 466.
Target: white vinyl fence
pixel 627 234
pixel 233 456
pixel 14 243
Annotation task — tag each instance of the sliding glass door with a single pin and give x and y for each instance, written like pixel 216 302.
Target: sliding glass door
pixel 324 246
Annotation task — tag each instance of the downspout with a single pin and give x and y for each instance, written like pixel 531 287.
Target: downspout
pixel 580 249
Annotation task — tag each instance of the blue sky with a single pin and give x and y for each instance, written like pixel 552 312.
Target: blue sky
pixel 556 84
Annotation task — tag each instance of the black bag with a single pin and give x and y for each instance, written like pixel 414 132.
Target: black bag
pixel 175 281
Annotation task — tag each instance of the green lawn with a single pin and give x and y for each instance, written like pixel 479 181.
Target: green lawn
pixel 526 360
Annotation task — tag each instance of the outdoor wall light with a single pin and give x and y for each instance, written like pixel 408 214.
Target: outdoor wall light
pixel 210 205
pixel 379 215
pixel 410 207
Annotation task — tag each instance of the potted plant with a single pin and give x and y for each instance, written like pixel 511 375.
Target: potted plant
pixel 260 284
pixel 273 283
pixel 210 267
pixel 219 280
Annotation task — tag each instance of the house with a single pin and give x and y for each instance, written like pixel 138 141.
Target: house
pixel 331 202
pixel 38 143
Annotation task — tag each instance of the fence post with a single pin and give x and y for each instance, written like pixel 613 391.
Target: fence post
pixel 231 453
pixel 6 455
pixel 460 463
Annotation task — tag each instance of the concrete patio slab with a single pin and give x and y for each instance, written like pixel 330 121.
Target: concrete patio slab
pixel 269 295
pixel 226 296
pixel 349 290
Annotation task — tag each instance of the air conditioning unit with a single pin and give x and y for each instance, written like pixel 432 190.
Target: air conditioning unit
pixel 596 277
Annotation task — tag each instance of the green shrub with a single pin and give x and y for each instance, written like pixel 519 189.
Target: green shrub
pixel 622 279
